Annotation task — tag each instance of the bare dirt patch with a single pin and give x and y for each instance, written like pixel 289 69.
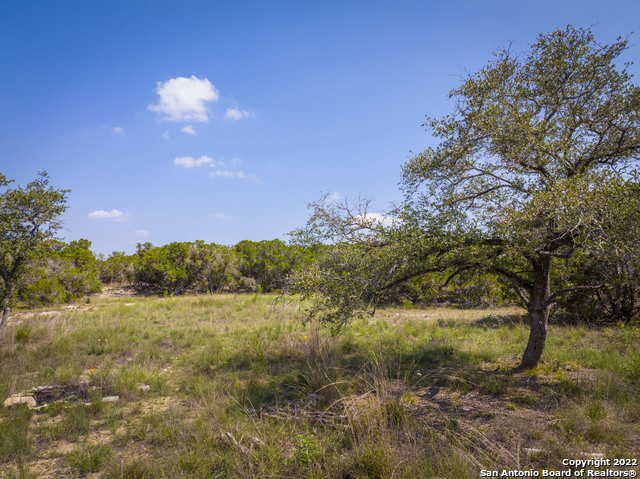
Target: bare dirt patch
pixel 125 291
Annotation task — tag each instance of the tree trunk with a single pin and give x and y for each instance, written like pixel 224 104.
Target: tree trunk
pixel 10 279
pixel 3 322
pixel 538 312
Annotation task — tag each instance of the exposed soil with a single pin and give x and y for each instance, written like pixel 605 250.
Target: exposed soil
pixel 120 292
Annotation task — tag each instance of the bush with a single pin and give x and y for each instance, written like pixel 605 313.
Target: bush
pixel 170 268
pixel 180 267
pixel 60 273
pixel 269 263
pixel 44 291
pixel 118 268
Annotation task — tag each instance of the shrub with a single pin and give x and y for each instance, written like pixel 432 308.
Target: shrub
pixel 180 267
pixel 60 273
pixel 119 268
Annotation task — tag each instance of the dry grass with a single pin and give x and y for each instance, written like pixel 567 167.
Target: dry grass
pixel 233 386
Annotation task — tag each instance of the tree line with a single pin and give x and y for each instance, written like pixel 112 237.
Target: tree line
pixel 59 272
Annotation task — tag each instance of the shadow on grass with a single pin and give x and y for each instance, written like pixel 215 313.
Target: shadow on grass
pixel 493 321
pixel 558 318
pixel 272 373
pixel 281 376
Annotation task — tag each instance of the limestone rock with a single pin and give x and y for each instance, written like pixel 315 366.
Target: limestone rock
pixel 17 399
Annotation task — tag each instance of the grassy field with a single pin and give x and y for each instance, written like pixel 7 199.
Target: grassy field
pixel 238 386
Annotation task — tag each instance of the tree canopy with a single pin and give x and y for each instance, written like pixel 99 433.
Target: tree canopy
pixel 535 163
pixel 28 217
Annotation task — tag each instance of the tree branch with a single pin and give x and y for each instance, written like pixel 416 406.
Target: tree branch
pixel 554 297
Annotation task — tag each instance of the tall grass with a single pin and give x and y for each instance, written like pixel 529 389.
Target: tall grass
pixel 237 386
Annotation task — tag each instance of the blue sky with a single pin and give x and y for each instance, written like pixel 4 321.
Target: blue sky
pixel 220 121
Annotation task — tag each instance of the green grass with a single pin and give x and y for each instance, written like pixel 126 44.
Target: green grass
pixel 15 443
pixel 89 458
pixel 233 386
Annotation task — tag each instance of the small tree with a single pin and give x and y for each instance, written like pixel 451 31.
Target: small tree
pixel 28 217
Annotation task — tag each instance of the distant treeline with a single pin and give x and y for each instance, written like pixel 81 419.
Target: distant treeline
pixel 62 272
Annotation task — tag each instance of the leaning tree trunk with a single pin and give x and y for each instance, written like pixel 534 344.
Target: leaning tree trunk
pixel 538 312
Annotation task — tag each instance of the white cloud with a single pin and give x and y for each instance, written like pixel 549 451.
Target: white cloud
pixel 191 162
pixel 235 114
pixel 222 216
pixel 114 215
pixel 184 99
pixel 376 219
pixel 165 135
pixel 140 233
pixel 234 174
pixel 235 161
pixel 227 174
pixel 118 130
pixel 189 130
pixel 334 198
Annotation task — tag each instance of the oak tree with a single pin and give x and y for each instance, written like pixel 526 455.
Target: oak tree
pixel 532 166
pixel 532 138
pixel 29 216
